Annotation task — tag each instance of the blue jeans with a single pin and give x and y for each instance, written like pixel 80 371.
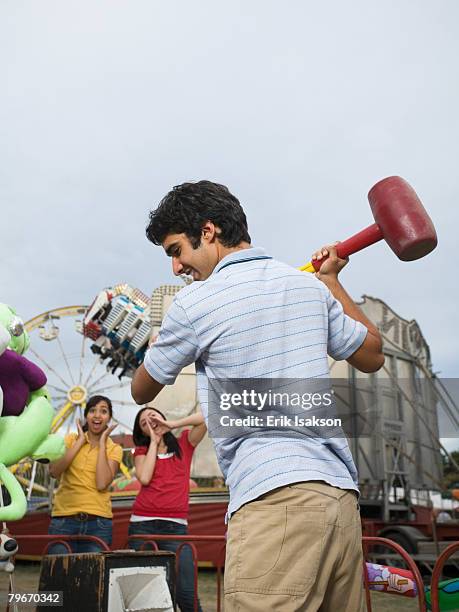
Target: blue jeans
pixel 65 525
pixel 185 578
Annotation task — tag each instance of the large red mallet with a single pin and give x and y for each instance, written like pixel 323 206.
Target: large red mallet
pixel 401 220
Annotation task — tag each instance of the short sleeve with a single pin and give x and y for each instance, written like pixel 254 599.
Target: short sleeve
pixel 184 441
pixel 185 445
pixel 69 440
pixel 176 347
pixel 115 453
pixel 345 335
pixel 140 450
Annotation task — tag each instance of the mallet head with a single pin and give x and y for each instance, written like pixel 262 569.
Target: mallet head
pixel 402 219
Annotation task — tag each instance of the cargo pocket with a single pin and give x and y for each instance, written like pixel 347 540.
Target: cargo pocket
pixel 280 550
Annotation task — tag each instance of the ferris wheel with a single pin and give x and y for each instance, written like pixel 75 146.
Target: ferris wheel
pixel 74 371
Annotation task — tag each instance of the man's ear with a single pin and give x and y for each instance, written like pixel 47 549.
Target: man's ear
pixel 209 231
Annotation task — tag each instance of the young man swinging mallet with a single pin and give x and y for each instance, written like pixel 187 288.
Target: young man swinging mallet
pixel 294 536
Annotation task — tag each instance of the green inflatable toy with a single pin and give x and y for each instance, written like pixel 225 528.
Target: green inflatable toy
pixel 448 595
pixel 25 435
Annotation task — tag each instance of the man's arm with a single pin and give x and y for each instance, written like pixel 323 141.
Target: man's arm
pixel 369 356
pixel 144 388
pixel 175 347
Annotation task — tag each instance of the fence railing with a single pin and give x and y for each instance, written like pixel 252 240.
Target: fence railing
pixel 437 572
pixel 374 540
pixel 187 540
pixel 62 539
pixel 191 540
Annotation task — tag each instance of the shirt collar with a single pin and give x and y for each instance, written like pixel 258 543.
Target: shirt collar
pixel 249 254
pixel 109 441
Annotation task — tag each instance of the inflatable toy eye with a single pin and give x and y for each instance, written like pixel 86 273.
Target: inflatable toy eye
pixel 16 327
pixel 8 546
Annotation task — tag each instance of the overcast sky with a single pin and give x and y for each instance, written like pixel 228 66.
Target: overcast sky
pixel 299 107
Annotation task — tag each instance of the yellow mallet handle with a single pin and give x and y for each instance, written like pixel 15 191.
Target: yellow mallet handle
pixel 307 268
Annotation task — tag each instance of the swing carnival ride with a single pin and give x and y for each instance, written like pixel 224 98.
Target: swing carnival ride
pixel 74 372
pixel 399 461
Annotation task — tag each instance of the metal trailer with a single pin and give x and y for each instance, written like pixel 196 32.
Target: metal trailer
pixel 395 442
pixel 398 451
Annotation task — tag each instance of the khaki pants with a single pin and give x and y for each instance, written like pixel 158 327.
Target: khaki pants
pixel 296 549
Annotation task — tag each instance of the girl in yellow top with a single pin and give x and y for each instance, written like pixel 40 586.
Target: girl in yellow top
pixel 82 504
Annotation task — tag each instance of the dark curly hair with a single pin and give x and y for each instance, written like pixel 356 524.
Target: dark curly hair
pixel 187 207
pixel 140 439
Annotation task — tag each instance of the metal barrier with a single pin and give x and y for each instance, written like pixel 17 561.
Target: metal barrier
pixel 437 572
pixel 188 540
pixel 366 541
pixel 63 539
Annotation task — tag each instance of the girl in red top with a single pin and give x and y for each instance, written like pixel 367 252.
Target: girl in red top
pixel 162 465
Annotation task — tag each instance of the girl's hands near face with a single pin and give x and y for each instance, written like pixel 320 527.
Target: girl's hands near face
pixel 159 425
pixel 81 437
pixel 106 433
pixel 153 434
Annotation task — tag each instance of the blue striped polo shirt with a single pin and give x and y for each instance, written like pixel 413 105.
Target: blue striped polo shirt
pixel 255 317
